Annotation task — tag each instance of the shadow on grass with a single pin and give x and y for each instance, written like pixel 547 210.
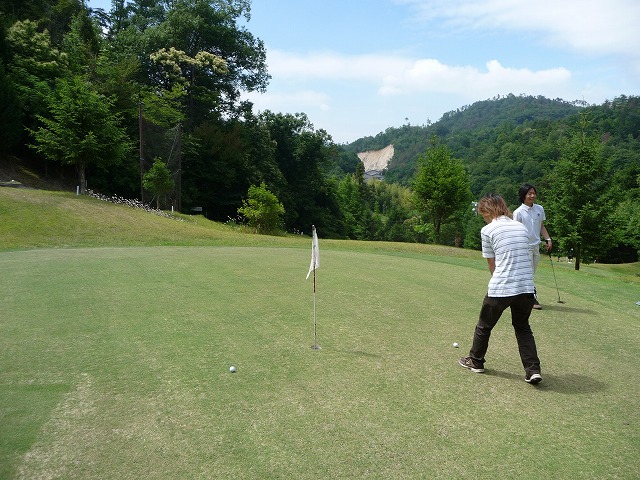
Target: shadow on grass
pixel 569 383
pixel 359 353
pixel 573 384
pixel 562 307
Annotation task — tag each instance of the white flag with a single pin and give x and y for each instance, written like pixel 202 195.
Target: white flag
pixel 315 252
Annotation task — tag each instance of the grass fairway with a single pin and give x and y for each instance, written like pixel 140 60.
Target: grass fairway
pixel 114 363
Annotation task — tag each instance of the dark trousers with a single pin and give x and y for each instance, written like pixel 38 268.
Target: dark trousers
pixel 492 308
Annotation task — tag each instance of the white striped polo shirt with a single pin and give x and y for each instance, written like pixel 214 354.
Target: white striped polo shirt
pixel 508 242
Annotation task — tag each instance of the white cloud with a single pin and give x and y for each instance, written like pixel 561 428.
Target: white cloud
pixel 432 76
pixel 601 27
pixel 330 65
pixel 395 75
pixel 591 52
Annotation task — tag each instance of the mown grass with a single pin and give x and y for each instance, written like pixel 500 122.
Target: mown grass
pixel 37 218
pixel 43 219
pixel 114 361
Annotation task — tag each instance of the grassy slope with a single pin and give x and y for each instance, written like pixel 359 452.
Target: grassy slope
pixel 41 219
pixel 45 219
pixel 114 361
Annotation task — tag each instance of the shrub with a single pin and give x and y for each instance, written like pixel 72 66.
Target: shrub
pixel 262 210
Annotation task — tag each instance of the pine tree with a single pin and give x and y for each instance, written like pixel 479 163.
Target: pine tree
pixel 580 206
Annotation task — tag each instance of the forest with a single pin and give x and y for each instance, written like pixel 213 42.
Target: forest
pixel 145 101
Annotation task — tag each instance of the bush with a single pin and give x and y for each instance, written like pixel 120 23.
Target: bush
pixel 262 210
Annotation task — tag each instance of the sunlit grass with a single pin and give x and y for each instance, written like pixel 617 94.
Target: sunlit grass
pixel 114 361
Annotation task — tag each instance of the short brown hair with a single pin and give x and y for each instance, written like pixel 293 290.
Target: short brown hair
pixel 493 206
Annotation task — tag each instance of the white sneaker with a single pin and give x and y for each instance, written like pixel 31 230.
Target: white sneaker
pixel 533 379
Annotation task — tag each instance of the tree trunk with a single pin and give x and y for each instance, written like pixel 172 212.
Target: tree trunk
pixel 83 179
pixel 437 225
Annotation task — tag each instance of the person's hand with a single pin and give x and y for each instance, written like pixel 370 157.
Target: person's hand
pixel 549 244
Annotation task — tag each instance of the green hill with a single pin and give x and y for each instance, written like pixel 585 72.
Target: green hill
pixel 51 219
pixel 47 219
pixel 480 119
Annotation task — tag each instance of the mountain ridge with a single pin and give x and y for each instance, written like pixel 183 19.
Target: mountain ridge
pixel 410 141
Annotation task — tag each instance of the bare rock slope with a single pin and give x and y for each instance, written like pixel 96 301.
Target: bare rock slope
pixel 376 159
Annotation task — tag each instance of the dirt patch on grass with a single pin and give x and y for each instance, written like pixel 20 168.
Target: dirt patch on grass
pixel 64 438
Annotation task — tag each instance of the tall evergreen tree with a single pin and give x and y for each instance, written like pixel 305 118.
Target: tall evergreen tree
pixel 441 186
pixel 581 209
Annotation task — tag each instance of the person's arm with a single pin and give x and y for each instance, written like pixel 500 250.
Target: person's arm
pixel 492 264
pixel 546 236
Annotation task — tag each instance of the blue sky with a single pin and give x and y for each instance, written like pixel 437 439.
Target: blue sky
pixel 357 67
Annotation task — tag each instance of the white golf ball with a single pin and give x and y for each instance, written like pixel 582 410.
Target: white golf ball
pixel 455 344
pixel 232 369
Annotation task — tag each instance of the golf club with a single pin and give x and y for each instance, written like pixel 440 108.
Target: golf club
pixel 554 277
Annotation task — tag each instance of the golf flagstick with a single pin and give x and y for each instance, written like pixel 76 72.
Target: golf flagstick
pixel 554 277
pixel 315 345
pixel 315 263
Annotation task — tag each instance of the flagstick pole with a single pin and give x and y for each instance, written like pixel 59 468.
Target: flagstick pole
pixel 315 334
pixel 314 257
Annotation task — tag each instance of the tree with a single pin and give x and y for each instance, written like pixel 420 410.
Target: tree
pixel 82 44
pixel 628 213
pixel 212 56
pixel 301 152
pixel 80 129
pixel 262 209
pixel 33 67
pixel 353 196
pixel 580 205
pixel 441 186
pixel 10 115
pixel 180 70
pixel 158 180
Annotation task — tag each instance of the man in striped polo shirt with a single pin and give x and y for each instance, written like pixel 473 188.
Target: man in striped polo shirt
pixel 505 245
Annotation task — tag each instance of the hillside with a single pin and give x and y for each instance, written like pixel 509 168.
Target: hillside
pixel 502 143
pixel 479 118
pixel 33 218
pixel 376 160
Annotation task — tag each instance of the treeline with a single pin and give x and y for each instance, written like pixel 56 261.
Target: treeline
pixel 78 84
pixel 80 89
pixel 507 141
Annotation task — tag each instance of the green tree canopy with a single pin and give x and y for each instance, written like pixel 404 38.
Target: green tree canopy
pixel 353 198
pixel 262 209
pixel 196 45
pixel 441 186
pixel 34 66
pixel 580 202
pixel 82 44
pixel 80 129
pixel 158 180
pixel 301 152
